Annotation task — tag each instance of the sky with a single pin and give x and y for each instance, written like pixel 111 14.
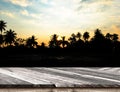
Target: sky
pixel 43 18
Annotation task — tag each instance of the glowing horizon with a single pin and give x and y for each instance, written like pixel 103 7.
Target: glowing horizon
pixel 44 18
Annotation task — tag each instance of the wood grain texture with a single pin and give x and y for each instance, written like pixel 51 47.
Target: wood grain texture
pixel 61 90
pixel 60 77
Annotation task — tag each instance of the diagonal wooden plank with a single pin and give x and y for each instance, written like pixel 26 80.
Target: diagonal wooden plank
pixel 94 77
pixel 8 80
pixel 54 79
pixel 95 72
pixel 61 77
pixel 23 76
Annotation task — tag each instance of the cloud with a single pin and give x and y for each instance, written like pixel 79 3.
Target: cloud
pixel 115 28
pixel 28 14
pixel 44 1
pixel 98 5
pixel 94 1
pixel 7 14
pixel 23 3
pixel 25 12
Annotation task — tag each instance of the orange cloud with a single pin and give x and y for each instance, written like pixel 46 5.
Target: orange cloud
pixel 116 29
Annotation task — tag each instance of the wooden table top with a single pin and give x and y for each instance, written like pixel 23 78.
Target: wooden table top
pixel 59 77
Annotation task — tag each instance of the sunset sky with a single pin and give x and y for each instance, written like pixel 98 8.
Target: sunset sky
pixel 44 18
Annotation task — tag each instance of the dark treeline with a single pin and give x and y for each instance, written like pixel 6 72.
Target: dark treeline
pixel 81 47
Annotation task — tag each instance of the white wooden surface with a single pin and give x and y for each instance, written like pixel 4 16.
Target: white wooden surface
pixel 60 90
pixel 60 77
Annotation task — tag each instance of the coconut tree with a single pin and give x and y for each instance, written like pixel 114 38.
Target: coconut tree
pixel 108 36
pixel 54 42
pixel 31 42
pixel 98 35
pixel 86 36
pixel 10 37
pixel 72 39
pixel 78 35
pixel 19 42
pixel 1 40
pixel 43 45
pixel 98 42
pixel 2 25
pixel 115 37
pixel 63 42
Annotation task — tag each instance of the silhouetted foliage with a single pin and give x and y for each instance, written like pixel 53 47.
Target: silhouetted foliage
pixel 114 37
pixel 19 42
pixel 54 42
pixel 80 46
pixel 1 40
pixel 72 41
pixel 31 42
pixel 79 35
pixel 86 36
pixel 63 42
pixel 10 37
pixel 108 36
pixel 43 45
pixel 98 42
pixel 2 25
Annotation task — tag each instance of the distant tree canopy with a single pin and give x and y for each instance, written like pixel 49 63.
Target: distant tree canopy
pixel 99 41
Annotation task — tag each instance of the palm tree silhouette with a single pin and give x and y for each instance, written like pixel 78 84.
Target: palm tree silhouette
pixel 72 39
pixel 31 42
pixel 54 42
pixel 2 25
pixel 86 36
pixel 98 37
pixel 115 37
pixel 63 42
pixel 19 42
pixel 78 35
pixel 43 45
pixel 10 37
pixel 98 34
pixel 108 36
pixel 1 40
